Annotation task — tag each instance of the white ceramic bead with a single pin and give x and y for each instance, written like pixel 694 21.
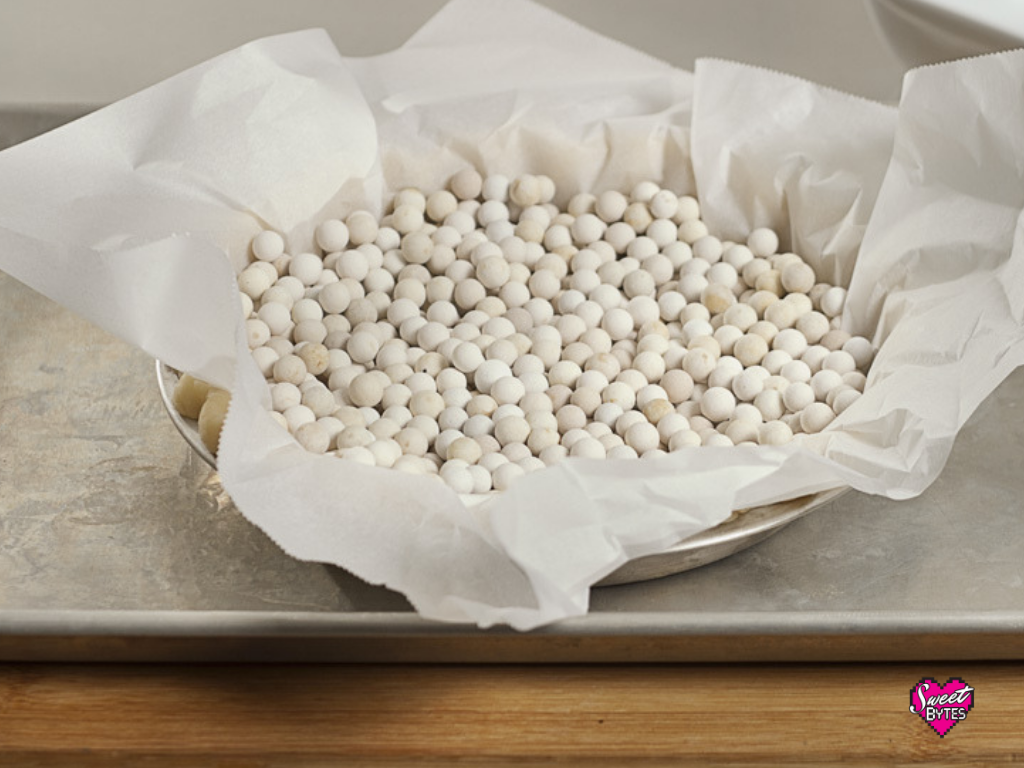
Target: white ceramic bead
pixel 814 356
pixel 663 204
pixel 770 404
pixel 813 326
pixel 505 475
pixel 482 482
pixel 718 404
pixel 637 217
pixel 678 385
pixel 564 372
pixel 796 371
pixel 365 390
pixel 268 246
pixel 511 429
pixel 466 184
pixel 353 436
pixel 570 417
pixel 488 372
pixel 670 424
pixel 763 242
pixel 610 206
pixel 699 363
pixel 824 381
pixel 692 230
pixel 467 357
pixel 716 440
pixel 642 436
pixel 686 438
pixel 507 389
pixel 458 477
pixel 862 351
pixel 619 393
pixel 588 448
pixel 628 419
pixel 798 277
pixel 840 361
pixel 542 437
pixel 747 385
pixel 553 454
pixel 815 417
pixel 495 187
pixel 622 452
pixel 358 454
pixel 742 431
pixel 844 399
pixel 833 301
pixel 648 393
pixel 774 433
pixel 466 449
pixel 798 396
pixel 253 282
pixel 426 403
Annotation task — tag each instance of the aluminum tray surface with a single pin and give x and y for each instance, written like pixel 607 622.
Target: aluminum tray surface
pixel 118 543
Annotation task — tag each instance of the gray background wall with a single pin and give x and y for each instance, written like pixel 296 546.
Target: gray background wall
pixel 86 52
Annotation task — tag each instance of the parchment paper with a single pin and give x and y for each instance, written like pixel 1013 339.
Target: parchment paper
pixel 127 214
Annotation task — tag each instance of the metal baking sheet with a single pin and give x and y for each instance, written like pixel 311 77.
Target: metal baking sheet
pixel 118 543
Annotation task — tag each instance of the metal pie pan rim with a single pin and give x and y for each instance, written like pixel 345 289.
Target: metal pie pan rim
pixel 742 530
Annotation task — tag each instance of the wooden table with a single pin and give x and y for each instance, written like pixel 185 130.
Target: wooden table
pixel 319 715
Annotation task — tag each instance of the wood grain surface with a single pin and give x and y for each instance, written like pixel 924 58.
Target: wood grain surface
pixel 319 715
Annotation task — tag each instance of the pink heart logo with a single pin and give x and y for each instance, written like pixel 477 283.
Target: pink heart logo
pixel 941 706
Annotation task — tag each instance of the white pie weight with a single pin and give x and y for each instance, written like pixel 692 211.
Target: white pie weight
pixel 480 332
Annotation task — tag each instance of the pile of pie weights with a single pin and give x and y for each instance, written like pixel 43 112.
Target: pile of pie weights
pixel 480 332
